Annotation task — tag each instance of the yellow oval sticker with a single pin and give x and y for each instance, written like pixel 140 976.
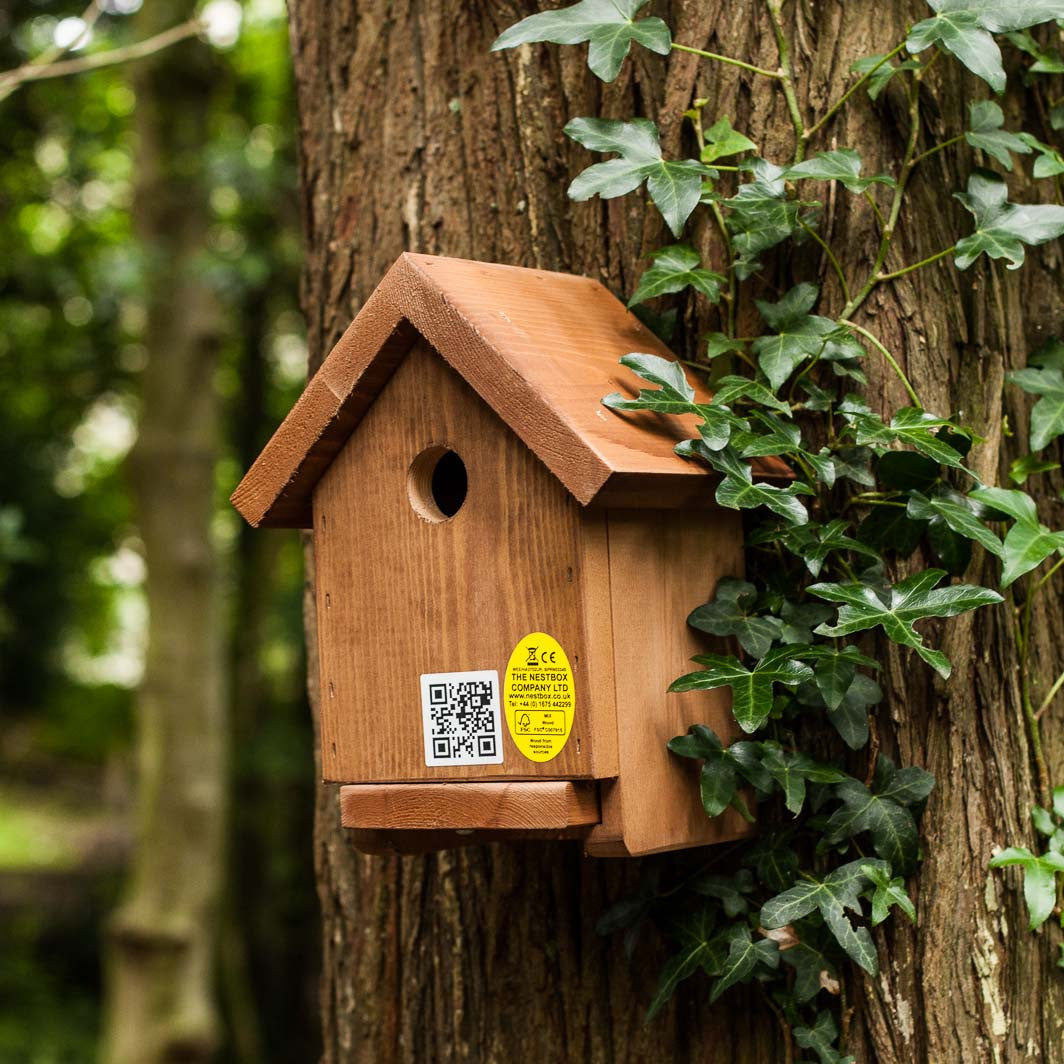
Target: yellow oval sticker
pixel 540 697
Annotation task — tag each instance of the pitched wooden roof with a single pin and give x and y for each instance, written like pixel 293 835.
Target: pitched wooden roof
pixel 540 348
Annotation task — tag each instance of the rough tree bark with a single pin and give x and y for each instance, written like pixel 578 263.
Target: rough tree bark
pixel 160 962
pixel 414 136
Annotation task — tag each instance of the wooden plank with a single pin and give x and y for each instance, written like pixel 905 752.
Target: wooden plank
pixel 663 564
pixel 276 490
pixel 542 805
pixel 387 843
pixel 399 596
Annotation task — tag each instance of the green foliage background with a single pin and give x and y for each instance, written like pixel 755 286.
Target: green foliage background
pixel 71 601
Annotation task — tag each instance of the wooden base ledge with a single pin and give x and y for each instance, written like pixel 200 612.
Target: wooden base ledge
pixel 523 806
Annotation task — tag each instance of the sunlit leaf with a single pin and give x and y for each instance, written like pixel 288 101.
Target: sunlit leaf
pixel 913 599
pixel 608 26
pixel 673 185
pixel 1003 228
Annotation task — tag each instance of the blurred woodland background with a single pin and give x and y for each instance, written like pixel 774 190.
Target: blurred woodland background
pixel 149 341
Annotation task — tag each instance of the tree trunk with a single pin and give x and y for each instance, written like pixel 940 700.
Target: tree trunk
pixel 160 1000
pixel 415 136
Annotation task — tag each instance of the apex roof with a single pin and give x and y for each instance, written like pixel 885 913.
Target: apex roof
pixel 540 348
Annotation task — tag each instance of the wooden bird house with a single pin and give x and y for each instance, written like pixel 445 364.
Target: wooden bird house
pixel 503 567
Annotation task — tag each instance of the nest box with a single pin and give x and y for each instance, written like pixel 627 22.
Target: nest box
pixel 503 567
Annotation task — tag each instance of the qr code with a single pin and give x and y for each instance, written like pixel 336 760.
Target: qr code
pixel 460 713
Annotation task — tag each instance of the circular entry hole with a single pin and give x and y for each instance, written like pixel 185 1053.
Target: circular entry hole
pixel 437 484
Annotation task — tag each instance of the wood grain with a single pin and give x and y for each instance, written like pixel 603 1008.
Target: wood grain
pixel 662 562
pixel 541 348
pixel 402 843
pixel 400 596
pixel 530 806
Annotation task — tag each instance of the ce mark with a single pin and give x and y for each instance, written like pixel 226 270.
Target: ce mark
pixel 547 657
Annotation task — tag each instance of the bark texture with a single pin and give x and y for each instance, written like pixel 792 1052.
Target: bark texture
pixel 160 962
pixel 415 136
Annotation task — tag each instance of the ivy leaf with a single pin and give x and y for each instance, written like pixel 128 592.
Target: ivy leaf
pixel 718 344
pixel 721 767
pixel 850 720
pixel 953 510
pixel 737 489
pixel 760 216
pixel 1039 879
pixel 1002 228
pixel 1046 62
pixel 666 373
pixel 882 72
pixel 822 1038
pixel 730 891
pixel 674 185
pixel 773 858
pixel 698 949
pixel 744 957
pixel 731 389
pixel 842 165
pixel 810 959
pixel 1043 821
pixel 1049 162
pixel 732 612
pixel 799 619
pixel 834 672
pixel 813 545
pixel 986 132
pixel 855 463
pixel 722 141
pixel 751 688
pixel 675 268
pixel 1028 542
pixel 964 27
pixel 910 425
pixel 792 770
pixel 1044 377
pixel 608 26
pixel 799 335
pixel 833 895
pixel 883 814
pixel 888 892
pixel 960 32
pixel 905 471
pixel 911 600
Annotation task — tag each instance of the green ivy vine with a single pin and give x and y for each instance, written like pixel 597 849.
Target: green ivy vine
pixel 858 493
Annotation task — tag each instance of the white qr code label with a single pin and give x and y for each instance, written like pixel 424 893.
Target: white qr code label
pixel 460 713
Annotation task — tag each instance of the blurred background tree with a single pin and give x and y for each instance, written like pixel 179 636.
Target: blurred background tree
pixel 75 322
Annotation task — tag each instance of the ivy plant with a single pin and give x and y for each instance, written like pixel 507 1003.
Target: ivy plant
pixel 841 502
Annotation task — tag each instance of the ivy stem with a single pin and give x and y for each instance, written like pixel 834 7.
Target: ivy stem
pixel 785 1027
pixel 732 296
pixel 831 258
pixel 873 750
pixel 854 304
pixel 917 265
pixel 939 147
pixel 777 74
pixel 844 98
pixel 1052 693
pixel 787 79
pixel 891 361
pixel 875 207
pixel 733 281
pixel 1034 730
